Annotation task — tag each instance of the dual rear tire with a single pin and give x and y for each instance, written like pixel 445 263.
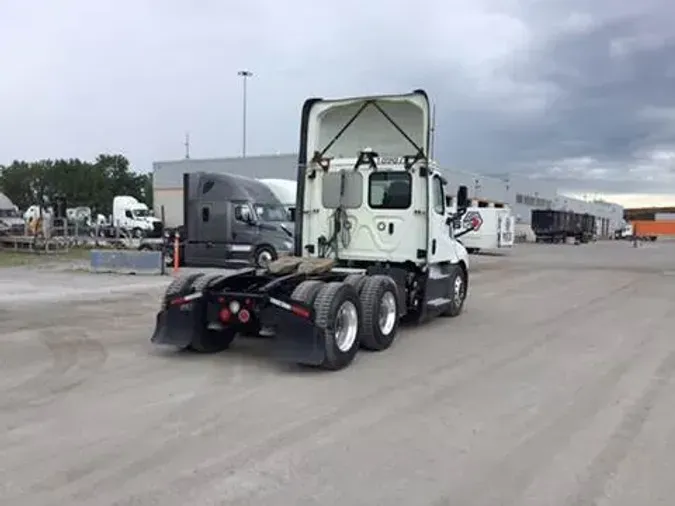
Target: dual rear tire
pixel 362 311
pixel 204 339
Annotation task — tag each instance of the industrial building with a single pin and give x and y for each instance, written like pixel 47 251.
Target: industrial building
pixel 520 193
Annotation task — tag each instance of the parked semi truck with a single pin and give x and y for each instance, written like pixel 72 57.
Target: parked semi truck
pixel 373 245
pixel 233 221
pixel 555 226
pixel 286 191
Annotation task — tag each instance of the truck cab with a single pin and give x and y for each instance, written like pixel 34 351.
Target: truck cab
pixel 369 193
pixel 233 221
pixel 135 217
pixel 286 191
pixel 373 244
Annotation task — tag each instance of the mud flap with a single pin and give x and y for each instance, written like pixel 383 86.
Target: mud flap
pixel 175 326
pixel 297 339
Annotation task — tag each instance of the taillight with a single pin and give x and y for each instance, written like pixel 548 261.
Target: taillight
pixel 224 315
pixel 244 316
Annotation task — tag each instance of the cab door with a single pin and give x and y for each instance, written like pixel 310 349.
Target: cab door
pixel 438 249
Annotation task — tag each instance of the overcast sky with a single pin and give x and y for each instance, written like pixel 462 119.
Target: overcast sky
pixel 579 91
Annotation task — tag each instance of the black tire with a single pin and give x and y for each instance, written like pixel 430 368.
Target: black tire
pixel 209 340
pixel 182 285
pixel 204 281
pixel 458 289
pixel 373 292
pixel 263 252
pixel 329 300
pixel 137 233
pixel 356 280
pixel 307 291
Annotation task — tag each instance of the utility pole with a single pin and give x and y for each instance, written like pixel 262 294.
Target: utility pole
pixel 187 145
pixel 244 74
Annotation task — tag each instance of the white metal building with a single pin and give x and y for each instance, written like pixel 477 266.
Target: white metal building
pixel 520 193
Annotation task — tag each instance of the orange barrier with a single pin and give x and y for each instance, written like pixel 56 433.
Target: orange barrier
pixel 650 228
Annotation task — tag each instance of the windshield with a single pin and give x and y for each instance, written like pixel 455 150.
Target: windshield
pixel 141 213
pixel 8 213
pixel 270 212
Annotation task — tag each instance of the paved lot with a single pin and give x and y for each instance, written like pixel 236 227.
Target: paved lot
pixel 555 387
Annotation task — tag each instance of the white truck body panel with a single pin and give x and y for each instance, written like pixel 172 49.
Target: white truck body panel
pixel 496 227
pixel 370 129
pixel 378 231
pixel 496 230
pixel 375 235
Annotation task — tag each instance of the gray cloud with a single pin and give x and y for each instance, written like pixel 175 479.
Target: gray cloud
pixel 575 91
pixel 603 78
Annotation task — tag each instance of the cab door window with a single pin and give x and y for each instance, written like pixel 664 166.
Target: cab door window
pixel 438 196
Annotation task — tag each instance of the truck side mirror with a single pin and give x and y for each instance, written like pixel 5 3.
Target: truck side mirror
pixel 462 197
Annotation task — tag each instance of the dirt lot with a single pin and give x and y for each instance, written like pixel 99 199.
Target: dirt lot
pixel 555 387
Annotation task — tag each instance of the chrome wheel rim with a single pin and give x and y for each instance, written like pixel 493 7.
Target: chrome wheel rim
pixel 264 258
pixel 346 326
pixel 387 316
pixel 458 291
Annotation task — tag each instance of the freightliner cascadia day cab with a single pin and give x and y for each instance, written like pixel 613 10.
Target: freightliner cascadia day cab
pixel 373 245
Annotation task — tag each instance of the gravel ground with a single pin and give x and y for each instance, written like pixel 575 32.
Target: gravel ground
pixel 553 388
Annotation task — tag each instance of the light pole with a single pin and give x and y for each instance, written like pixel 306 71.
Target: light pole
pixel 244 74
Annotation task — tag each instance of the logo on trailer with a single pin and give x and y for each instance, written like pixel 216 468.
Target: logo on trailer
pixel 473 219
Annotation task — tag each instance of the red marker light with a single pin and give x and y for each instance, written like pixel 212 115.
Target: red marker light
pixel 224 315
pixel 300 311
pixel 244 316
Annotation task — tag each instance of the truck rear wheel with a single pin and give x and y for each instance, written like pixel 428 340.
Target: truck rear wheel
pixel 338 316
pixel 182 285
pixel 380 312
pixel 208 340
pixel 458 289
pixel 356 280
pixel 307 291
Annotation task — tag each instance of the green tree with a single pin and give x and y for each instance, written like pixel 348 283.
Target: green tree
pixel 81 183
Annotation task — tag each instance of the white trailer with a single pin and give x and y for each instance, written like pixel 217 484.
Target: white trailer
pixel 493 227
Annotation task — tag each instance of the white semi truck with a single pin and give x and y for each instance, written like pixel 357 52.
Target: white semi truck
pixel 372 245
pixel 133 216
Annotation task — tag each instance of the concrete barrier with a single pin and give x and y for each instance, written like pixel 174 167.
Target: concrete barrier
pixel 126 261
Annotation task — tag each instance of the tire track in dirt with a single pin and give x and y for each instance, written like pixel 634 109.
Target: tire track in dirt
pixel 521 463
pixel 81 354
pixel 606 463
pixel 305 429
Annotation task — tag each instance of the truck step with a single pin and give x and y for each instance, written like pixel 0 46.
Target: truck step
pixel 438 302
